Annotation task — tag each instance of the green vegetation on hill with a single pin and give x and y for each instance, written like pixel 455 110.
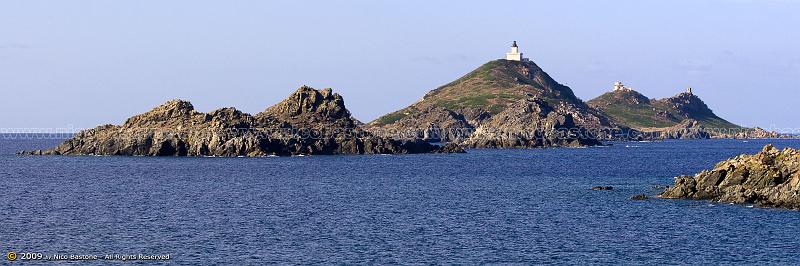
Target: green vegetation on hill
pixel 392 117
pixel 493 102
pixel 634 109
pixel 636 116
pixel 491 87
pixel 495 86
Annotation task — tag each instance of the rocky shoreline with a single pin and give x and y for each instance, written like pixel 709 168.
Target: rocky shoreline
pixel 770 178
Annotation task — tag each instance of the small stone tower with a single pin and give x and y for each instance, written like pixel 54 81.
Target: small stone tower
pixel 689 91
pixel 618 86
pixel 514 55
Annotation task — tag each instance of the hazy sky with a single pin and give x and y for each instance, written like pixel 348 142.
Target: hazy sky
pixel 85 63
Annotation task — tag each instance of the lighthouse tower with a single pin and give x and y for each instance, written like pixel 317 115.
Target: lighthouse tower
pixel 514 55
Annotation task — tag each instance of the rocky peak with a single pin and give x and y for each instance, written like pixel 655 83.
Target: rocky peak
pixel 500 94
pixel 173 108
pixel 308 106
pixel 229 117
pixel 308 101
pixel 528 73
pixel 769 149
pixel 689 105
pixel 500 82
pixel 628 97
pixel 171 113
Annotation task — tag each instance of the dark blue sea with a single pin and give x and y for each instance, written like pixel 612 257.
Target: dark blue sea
pixel 483 207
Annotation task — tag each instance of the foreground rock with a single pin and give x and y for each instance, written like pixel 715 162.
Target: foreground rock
pixel 308 122
pixel 770 178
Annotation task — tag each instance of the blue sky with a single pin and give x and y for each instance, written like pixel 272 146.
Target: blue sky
pixel 85 63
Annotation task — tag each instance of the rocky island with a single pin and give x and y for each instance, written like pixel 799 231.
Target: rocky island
pixel 502 104
pixel 683 116
pixel 770 178
pixel 308 122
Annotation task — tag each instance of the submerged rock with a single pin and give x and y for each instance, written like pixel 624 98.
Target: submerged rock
pixel 770 178
pixel 602 188
pixel 640 197
pixel 309 121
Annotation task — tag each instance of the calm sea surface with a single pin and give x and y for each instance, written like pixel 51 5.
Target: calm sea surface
pixel 485 206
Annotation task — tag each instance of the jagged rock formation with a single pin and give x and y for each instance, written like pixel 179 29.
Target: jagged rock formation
pixel 748 133
pixel 307 122
pixel 770 178
pixel 473 101
pixel 530 123
pixel 432 123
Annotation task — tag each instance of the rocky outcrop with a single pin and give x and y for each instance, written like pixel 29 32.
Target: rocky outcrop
pixel 747 133
pixel 688 105
pixel 431 123
pixel 640 197
pixel 309 121
pixel 770 178
pixel 688 129
pixel 530 123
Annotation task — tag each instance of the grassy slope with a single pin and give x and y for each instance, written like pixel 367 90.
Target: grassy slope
pixel 491 87
pixel 644 114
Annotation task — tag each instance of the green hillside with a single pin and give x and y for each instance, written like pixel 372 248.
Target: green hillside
pixel 490 88
pixel 634 109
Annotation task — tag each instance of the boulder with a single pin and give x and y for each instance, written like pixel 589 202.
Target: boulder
pixel 769 178
pixel 640 197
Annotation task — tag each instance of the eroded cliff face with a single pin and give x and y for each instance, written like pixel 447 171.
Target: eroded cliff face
pixel 432 123
pixel 530 123
pixel 309 121
pixel 770 178
pixel 311 108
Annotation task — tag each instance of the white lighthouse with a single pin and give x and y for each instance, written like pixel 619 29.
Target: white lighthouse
pixel 514 55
